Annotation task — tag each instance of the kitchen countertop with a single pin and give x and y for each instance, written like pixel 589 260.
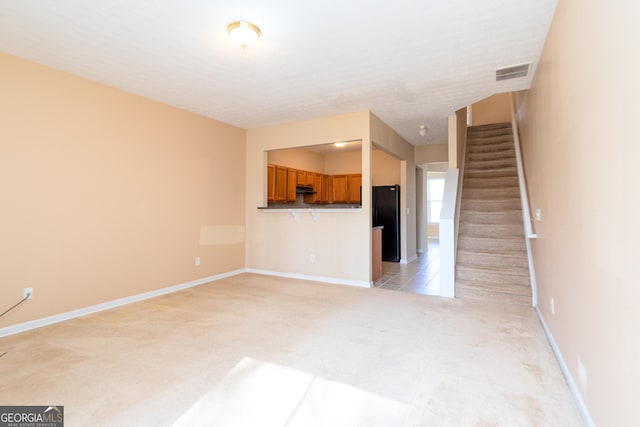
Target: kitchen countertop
pixel 283 206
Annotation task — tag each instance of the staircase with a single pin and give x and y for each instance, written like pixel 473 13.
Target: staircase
pixel 491 261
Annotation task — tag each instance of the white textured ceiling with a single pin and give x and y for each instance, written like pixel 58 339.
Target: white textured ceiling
pixel 411 62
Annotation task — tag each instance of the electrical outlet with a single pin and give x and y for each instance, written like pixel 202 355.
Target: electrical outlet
pixel 553 306
pixel 312 258
pixel 27 293
pixel 197 261
pixel 538 214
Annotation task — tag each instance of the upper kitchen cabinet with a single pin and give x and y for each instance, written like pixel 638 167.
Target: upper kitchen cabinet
pixel 281 184
pixel 292 181
pixel 271 183
pixel 354 188
pixel 315 175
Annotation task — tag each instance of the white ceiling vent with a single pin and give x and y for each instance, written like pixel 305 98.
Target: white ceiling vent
pixel 512 72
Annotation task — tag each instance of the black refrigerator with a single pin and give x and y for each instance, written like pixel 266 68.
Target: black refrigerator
pixel 386 212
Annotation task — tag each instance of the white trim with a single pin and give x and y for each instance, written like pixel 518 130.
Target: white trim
pixel 361 284
pixel 524 200
pixel 582 406
pixel 56 318
pixel 411 259
pixel 448 234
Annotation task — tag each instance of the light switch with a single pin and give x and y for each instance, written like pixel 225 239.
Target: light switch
pixel 407 211
pixel 538 215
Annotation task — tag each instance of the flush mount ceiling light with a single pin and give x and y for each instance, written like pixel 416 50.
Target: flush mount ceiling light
pixel 244 33
pixel 422 130
pixel 340 144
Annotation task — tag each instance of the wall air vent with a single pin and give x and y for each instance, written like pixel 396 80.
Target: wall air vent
pixel 512 72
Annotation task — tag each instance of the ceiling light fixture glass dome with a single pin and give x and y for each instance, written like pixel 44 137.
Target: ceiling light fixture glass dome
pixel 244 33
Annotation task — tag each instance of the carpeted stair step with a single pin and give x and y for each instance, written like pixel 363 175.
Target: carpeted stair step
pixel 490 155
pixel 504 260
pixel 476 291
pixel 490 205
pixel 490 182
pixel 502 276
pixel 500 125
pixel 488 173
pixel 491 193
pixel 499 217
pixel 491 244
pixel 491 230
pixel 484 133
pixel 489 164
pixel 493 143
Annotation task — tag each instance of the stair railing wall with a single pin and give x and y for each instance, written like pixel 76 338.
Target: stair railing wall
pixel 447 234
pixel 526 212
pixel 450 213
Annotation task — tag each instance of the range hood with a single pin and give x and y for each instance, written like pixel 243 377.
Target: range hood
pixel 304 189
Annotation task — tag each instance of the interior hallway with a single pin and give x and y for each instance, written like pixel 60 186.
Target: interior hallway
pixel 253 350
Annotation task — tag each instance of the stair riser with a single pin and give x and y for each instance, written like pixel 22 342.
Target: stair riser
pixel 480 259
pixel 501 125
pixel 474 134
pixel 489 164
pixel 491 174
pixel 479 245
pixel 491 230
pixel 491 155
pixel 511 181
pixel 490 277
pixel 490 205
pixel 502 142
pixel 490 193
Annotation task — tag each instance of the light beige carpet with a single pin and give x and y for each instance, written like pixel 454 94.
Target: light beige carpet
pixel 261 351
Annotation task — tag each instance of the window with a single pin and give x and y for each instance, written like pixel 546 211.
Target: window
pixel 435 191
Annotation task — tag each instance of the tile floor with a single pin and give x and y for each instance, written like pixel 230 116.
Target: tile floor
pixel 421 276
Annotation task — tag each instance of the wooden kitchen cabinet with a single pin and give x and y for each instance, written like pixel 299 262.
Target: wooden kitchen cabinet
pixel 354 183
pixel 339 191
pixel 292 180
pixel 310 178
pixel 281 184
pixel 318 188
pixel 302 177
pixel 325 189
pixel 376 254
pixel 271 183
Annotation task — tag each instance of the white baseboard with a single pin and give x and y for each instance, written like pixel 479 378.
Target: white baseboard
pixel 312 278
pixel 407 261
pixel 26 326
pixel 582 406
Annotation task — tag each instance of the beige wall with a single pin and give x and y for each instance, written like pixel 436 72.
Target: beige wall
pixel 385 169
pixel 494 109
pixel 580 114
pixel 388 140
pixel 431 153
pixel 343 163
pixel 298 158
pixel 339 240
pixel 107 194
